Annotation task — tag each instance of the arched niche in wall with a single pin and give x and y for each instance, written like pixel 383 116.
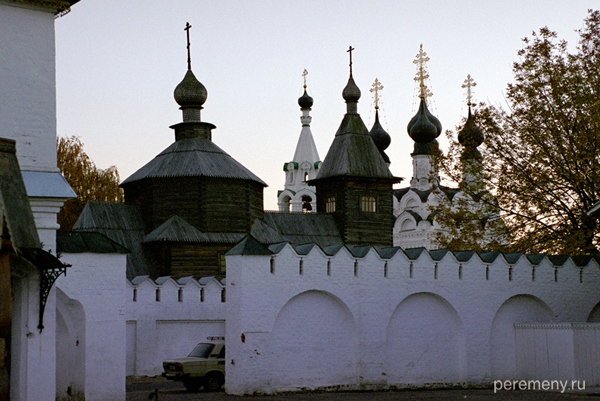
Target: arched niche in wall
pixel 594 316
pixel 70 348
pixel 425 342
pixel 521 308
pixel 315 342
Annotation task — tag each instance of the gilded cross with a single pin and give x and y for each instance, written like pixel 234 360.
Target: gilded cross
pixel 422 74
pixel 304 74
pixel 375 88
pixel 350 51
pixel 469 84
pixel 187 29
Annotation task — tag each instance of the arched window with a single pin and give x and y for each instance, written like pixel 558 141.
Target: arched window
pixel 307 204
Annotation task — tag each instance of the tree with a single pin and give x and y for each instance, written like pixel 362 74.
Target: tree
pixel 541 156
pixel 89 182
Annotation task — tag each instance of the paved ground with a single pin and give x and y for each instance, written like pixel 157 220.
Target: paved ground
pixel 139 389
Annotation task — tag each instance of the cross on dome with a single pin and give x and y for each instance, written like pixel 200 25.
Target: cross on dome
pixel 189 59
pixel 304 74
pixel 375 88
pixel 422 74
pixel 350 51
pixel 469 84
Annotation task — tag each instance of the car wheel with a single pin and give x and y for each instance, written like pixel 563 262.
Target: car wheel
pixel 213 381
pixel 192 385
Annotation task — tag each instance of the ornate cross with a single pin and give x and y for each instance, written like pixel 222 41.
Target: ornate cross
pixel 187 29
pixel 422 74
pixel 375 88
pixel 350 51
pixel 304 74
pixel 469 84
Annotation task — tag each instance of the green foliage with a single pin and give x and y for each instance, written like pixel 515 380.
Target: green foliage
pixel 541 156
pixel 89 182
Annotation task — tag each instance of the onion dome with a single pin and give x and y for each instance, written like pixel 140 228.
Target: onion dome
pixel 190 92
pixel 471 136
pixel 351 93
pixel 305 101
pixel 424 128
pixel 380 137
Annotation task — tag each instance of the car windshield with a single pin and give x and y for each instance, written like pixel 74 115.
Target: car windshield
pixel 202 350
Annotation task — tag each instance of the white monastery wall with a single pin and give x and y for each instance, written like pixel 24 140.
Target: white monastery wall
pixel 319 321
pixel 167 318
pixel 90 321
pixel 566 350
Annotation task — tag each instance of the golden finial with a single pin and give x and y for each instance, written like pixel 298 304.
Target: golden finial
pixel 375 88
pixel 304 74
pixel 422 74
pixel 469 84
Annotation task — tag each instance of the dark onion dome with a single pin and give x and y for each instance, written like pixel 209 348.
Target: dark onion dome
pixel 190 92
pixel 381 138
pixel 305 101
pixel 424 126
pixel 351 93
pixel 470 135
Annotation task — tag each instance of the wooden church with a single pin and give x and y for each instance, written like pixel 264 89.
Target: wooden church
pixel 193 202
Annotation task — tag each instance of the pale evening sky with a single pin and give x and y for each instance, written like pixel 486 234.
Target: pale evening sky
pixel 118 63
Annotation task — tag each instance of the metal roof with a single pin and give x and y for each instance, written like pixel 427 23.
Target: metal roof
pixel 193 157
pixel 14 203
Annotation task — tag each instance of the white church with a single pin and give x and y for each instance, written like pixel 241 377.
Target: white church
pixel 346 294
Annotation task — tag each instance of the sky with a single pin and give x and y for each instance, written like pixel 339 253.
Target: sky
pixel 118 62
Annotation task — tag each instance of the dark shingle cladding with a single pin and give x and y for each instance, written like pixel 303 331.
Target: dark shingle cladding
pixel 193 157
pixel 84 242
pixel 299 228
pixel 122 224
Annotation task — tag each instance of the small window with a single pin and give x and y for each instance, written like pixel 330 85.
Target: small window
pixel 223 295
pixel 385 269
pixel 329 267
pixel 305 176
pixel 301 267
pixel 158 295
pixel 180 295
pixel 201 294
pixel 330 204
pixel 272 266
pixel 368 204
pixel 135 295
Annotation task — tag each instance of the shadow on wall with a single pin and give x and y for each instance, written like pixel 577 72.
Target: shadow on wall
pixel 70 348
pixel 515 310
pixel 425 342
pixel 315 342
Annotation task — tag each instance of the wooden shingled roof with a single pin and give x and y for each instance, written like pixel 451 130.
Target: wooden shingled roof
pixel 177 229
pixel 302 228
pixel 193 157
pixel 121 223
pixel 353 153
